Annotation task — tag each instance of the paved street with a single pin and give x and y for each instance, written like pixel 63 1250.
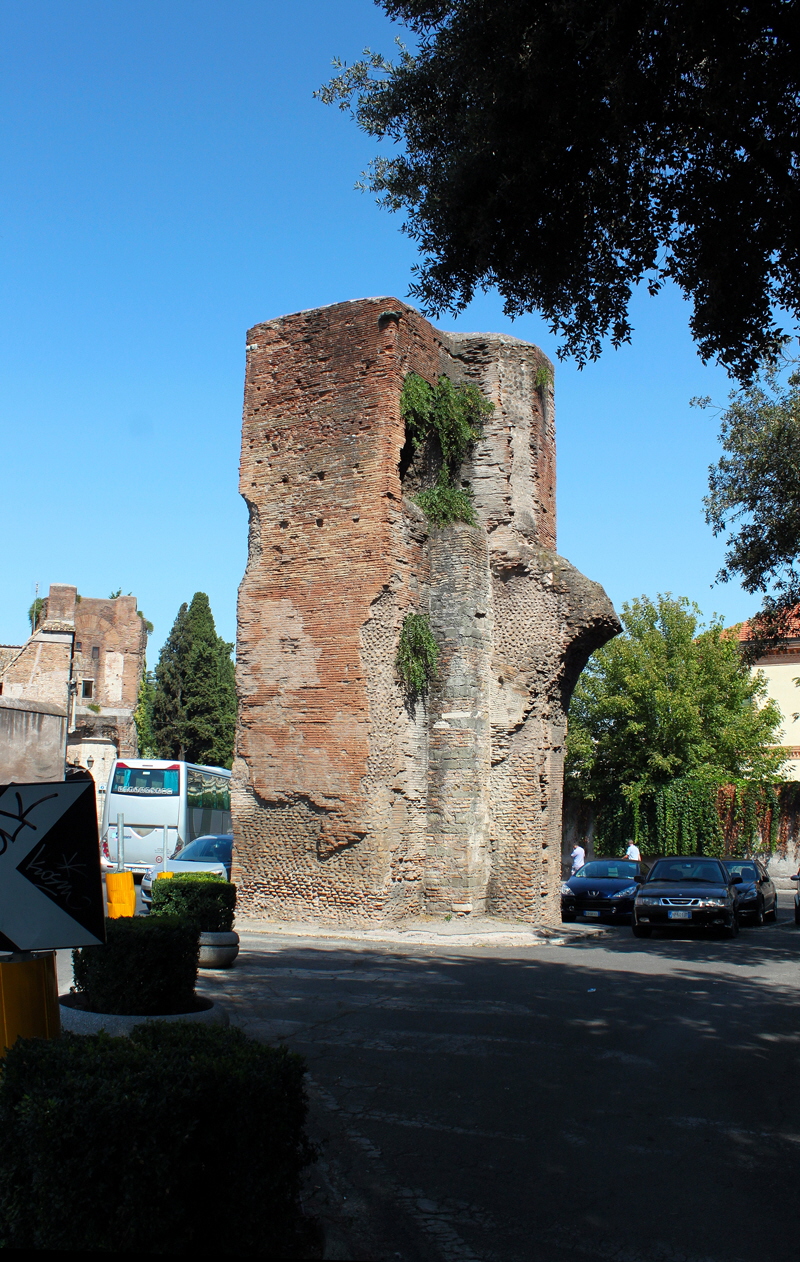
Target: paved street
pixel 603 1099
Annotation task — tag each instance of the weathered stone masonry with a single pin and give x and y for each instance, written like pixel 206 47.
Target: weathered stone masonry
pixel 347 806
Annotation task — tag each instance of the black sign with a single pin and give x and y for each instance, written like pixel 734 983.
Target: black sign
pixel 51 892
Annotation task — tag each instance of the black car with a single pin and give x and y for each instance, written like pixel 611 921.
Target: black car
pixel 690 891
pixel 602 889
pixel 758 898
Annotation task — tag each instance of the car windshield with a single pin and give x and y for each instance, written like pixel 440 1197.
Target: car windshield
pixel 747 871
pixel 708 872
pixel 208 850
pixel 616 869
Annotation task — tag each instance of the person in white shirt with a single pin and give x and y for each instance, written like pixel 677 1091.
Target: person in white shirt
pixel 578 858
pixel 633 852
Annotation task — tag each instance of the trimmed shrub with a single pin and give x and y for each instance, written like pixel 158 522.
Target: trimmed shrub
pixel 200 897
pixel 180 1139
pixel 148 967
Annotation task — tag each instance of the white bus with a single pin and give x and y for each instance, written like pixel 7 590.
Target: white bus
pixel 153 793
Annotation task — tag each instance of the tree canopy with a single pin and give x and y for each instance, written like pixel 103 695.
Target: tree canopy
pixel 662 717
pixel 754 493
pixel 566 150
pixel 194 698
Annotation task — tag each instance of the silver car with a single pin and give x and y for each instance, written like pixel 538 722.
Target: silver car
pixel 205 854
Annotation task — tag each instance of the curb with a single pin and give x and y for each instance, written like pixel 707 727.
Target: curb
pixel 423 936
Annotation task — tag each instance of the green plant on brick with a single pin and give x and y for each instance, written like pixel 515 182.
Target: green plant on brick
pixel 204 899
pixel 417 655
pixel 443 505
pixel 192 1135
pixel 452 415
pixel 148 967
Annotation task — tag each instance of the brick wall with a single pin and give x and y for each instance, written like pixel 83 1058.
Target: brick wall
pixel 348 804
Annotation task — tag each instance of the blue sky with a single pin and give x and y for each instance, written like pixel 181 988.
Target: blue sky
pixel 168 180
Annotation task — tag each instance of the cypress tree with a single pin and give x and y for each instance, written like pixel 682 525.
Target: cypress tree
pixel 194 711
pixel 143 717
pixel 169 716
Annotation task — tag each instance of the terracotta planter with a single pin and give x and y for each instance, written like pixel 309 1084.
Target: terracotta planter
pixel 218 950
pixel 79 1020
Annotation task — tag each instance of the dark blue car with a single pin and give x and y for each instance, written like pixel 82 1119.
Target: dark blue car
pixel 602 890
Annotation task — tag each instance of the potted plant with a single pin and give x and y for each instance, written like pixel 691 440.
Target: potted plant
pixel 147 970
pixel 208 902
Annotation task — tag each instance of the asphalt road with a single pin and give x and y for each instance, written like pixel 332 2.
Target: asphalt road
pixel 609 1098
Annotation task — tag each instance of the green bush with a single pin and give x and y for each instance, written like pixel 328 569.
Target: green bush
pixel 203 898
pixel 181 1139
pixel 147 967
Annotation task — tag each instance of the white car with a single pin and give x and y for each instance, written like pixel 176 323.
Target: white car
pixel 204 854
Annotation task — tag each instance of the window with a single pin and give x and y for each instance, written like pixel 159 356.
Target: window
pixel 95 653
pixel 146 782
pixel 87 689
pixel 78 646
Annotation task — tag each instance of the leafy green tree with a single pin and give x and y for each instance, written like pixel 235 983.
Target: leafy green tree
pixel 565 152
pixel 194 707
pixel 662 717
pixel 754 493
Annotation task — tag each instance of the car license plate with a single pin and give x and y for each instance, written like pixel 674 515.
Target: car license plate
pixel 679 915
pixel 591 913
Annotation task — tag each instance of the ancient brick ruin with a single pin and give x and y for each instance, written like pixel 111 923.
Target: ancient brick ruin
pixel 350 804
pixel 85 660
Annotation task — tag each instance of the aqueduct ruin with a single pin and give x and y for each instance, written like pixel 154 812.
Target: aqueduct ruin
pixel 351 803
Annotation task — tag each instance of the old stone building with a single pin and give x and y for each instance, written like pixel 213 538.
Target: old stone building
pixel 350 803
pixel 85 656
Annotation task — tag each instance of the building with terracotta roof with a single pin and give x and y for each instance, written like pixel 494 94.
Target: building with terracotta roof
pixel 781 668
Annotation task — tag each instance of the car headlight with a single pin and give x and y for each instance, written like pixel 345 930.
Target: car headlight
pixel 713 902
pixel 565 890
pixel 644 901
pixel 746 892
pixel 149 873
pixel 628 892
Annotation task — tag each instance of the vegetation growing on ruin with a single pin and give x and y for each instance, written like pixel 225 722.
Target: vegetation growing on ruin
pixel 443 505
pixel 417 654
pixel 452 415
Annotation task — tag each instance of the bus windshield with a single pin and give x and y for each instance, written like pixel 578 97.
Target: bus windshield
pixel 146 781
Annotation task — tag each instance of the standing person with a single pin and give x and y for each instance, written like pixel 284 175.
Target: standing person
pixel 633 852
pixel 578 857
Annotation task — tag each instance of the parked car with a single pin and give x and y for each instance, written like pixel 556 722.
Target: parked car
pixel 693 890
pixel 603 889
pixel 758 898
pixel 213 853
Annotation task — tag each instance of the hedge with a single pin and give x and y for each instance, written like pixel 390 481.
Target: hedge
pixel 147 967
pixel 208 903
pixel 180 1139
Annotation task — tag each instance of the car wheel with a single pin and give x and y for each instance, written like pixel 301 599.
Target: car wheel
pixel 758 919
pixel 772 914
pixel 732 930
pixel 641 931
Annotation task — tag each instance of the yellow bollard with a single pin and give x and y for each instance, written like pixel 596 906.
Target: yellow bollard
pixel 121 893
pixel 28 999
pixel 161 875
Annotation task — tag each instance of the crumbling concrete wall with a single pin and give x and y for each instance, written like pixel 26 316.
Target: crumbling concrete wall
pixel 33 738
pixel 349 804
